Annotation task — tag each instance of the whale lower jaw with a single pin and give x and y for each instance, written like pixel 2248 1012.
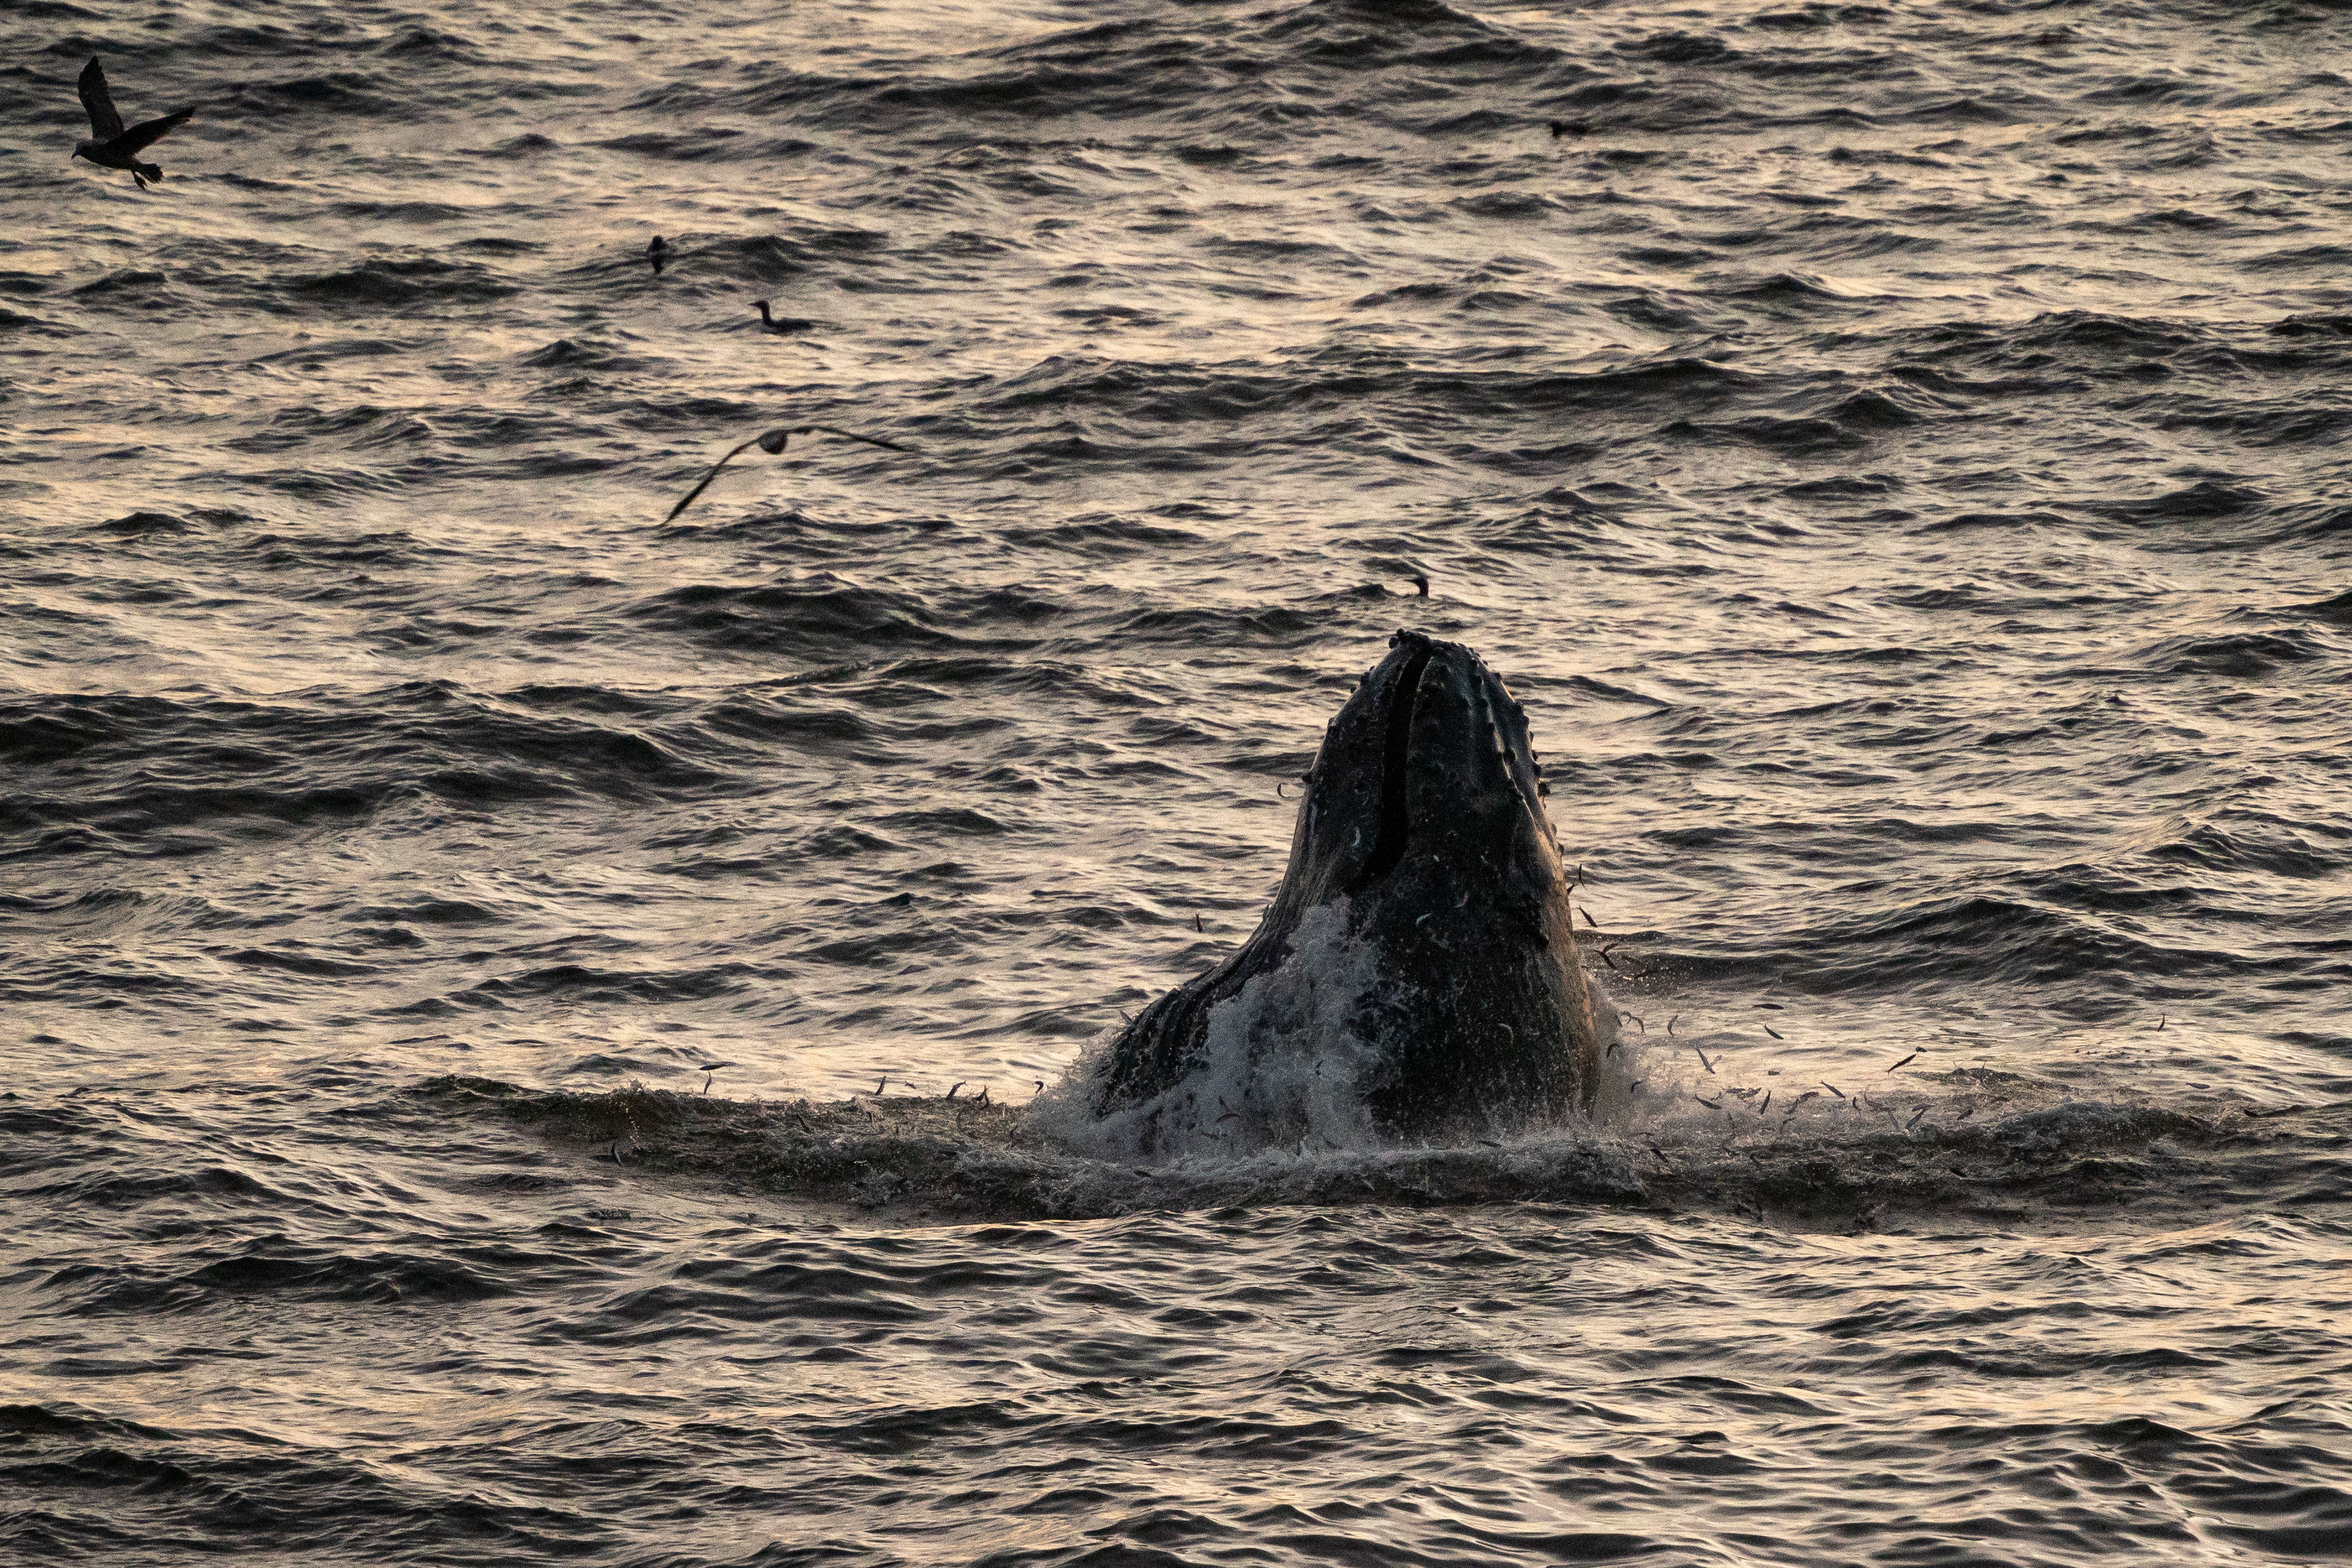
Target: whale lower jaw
pixel 1330 1051
pixel 1283 1062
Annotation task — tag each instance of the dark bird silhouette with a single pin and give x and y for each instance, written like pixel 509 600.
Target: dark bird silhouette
pixel 780 325
pixel 112 147
pixel 772 443
pixel 657 253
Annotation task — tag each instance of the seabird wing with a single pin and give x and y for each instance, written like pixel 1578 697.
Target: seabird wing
pixel 705 485
pixel 104 123
pixel 869 440
pixel 136 138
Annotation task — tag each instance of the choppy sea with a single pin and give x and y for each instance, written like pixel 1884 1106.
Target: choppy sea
pixel 1897 453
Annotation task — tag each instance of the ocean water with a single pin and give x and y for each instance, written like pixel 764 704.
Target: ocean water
pixel 1897 453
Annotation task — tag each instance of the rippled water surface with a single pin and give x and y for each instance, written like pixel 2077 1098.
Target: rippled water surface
pixel 1897 453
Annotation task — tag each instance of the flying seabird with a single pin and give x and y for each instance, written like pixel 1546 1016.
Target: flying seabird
pixel 657 253
pixel 112 147
pixel 781 326
pixel 772 443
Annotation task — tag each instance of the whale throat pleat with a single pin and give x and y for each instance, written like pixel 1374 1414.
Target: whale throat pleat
pixel 1388 849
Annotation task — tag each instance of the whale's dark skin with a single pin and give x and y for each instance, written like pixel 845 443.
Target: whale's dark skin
pixel 1424 810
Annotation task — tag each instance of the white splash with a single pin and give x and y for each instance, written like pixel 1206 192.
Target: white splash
pixel 1282 1068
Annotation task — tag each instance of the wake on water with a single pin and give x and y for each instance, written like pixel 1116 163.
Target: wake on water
pixel 1275 1114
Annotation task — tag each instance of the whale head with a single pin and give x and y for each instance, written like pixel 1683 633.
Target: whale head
pixel 1423 827
pixel 1426 785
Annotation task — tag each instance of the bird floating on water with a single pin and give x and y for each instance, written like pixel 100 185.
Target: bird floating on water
pixel 112 147
pixel 772 443
pixel 657 253
pixel 781 325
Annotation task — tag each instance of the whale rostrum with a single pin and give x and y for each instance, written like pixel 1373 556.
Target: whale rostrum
pixel 1422 856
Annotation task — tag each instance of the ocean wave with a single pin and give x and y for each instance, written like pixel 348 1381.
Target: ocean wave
pixel 347 94
pixel 801 615
pixel 1924 1152
pixel 142 767
pixel 386 283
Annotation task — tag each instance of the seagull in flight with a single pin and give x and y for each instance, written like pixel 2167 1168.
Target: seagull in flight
pixel 772 443
pixel 111 146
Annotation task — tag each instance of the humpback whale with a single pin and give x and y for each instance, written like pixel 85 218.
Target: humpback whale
pixel 1415 977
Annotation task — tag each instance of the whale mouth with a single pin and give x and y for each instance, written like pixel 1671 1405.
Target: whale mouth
pixel 1395 829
